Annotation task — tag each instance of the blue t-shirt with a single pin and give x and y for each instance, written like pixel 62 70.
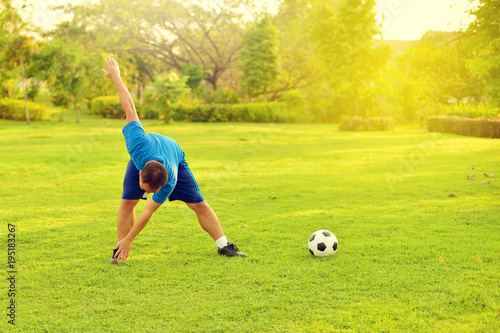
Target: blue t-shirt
pixel 144 147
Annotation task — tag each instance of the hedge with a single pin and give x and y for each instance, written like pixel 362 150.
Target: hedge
pixel 13 109
pixel 272 112
pixel 469 110
pixel 110 107
pixel 356 123
pixel 479 127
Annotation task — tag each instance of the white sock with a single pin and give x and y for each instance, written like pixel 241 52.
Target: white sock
pixel 221 242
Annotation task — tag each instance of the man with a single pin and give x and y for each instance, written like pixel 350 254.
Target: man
pixel 158 166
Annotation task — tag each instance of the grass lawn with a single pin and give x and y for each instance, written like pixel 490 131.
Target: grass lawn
pixel 411 258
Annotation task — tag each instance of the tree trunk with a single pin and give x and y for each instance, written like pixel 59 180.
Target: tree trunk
pixel 356 103
pixel 138 91
pixel 25 94
pixel 213 82
pixel 213 78
pixel 77 108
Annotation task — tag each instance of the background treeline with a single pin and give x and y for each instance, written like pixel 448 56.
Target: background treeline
pixel 315 60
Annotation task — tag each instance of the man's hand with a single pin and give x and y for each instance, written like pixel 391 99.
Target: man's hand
pixel 113 71
pixel 124 245
pixel 123 249
pixel 126 100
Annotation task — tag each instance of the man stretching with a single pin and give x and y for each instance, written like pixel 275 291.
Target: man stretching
pixel 158 166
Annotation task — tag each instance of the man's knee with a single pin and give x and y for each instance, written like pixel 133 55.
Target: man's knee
pixel 199 207
pixel 128 205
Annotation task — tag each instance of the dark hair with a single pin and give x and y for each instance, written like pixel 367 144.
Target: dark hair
pixel 155 174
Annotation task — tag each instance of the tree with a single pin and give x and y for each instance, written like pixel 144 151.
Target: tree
pixel 17 49
pixel 440 57
pixel 297 57
pixel 433 72
pixel 70 69
pixel 259 59
pixel 484 42
pixel 174 33
pixel 80 38
pixel 194 74
pixel 67 73
pixel 10 25
pixel 168 90
pixel 344 33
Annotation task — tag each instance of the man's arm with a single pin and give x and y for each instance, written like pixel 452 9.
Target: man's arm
pixel 113 73
pixel 125 244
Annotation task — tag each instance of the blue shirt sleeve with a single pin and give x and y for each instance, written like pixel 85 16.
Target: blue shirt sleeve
pixel 135 139
pixel 162 195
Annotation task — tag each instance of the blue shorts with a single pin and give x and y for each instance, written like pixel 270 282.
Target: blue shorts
pixel 186 189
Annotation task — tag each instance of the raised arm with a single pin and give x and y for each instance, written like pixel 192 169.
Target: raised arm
pixel 113 73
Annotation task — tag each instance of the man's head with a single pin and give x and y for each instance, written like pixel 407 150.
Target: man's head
pixel 153 176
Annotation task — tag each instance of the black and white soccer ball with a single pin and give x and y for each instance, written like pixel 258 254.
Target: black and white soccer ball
pixel 323 243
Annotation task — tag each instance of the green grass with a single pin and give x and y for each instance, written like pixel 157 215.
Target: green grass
pixel 410 259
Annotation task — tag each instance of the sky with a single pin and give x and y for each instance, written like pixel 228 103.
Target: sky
pixel 410 19
pixel 401 19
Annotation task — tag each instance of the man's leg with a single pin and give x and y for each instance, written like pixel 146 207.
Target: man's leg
pixel 211 224
pixel 208 219
pixel 125 218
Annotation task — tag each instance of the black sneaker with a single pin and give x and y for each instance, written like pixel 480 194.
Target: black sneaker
pixel 230 250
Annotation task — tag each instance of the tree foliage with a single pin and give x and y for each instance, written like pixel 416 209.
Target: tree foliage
pixel 168 90
pixel 194 74
pixel 259 59
pixel 320 56
pixel 484 42
pixel 344 33
pixel 174 33
pixel 15 45
pixel 434 71
pixel 298 60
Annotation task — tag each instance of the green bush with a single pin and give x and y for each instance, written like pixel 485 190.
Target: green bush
pixel 479 127
pixel 148 109
pixel 149 112
pixel 110 107
pixel 356 123
pixel 468 110
pixel 273 112
pixel 221 96
pixel 13 109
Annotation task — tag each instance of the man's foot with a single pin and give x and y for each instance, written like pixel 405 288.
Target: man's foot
pixel 230 250
pixel 118 260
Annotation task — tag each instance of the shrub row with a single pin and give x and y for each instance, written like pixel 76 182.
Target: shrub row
pixel 109 107
pixel 13 109
pixel 356 123
pixel 273 112
pixel 479 127
pixel 468 110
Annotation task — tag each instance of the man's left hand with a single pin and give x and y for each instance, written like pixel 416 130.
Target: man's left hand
pixel 123 249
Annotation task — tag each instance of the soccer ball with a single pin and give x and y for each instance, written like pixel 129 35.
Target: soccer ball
pixel 323 243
